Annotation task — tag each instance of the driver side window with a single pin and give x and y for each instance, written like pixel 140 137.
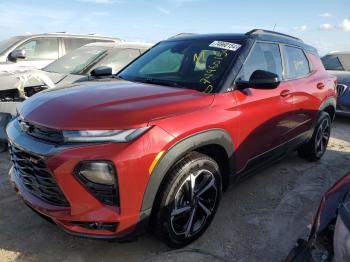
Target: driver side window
pixel 41 49
pixel 264 56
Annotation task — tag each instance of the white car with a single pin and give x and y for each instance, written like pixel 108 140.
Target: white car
pixel 92 62
pixel 37 51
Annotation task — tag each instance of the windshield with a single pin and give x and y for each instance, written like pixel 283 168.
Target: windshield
pixel 198 65
pixel 77 62
pixel 339 62
pixel 7 43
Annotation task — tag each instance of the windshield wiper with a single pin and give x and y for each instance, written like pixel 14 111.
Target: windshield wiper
pixel 161 82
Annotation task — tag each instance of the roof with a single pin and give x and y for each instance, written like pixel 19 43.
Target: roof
pixel 63 34
pixel 255 34
pixel 339 53
pixel 122 45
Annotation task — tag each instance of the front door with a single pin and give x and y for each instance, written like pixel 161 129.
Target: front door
pixel 265 115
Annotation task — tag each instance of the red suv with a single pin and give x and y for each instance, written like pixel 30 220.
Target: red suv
pixel 156 148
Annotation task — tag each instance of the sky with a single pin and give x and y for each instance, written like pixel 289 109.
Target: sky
pixel 324 24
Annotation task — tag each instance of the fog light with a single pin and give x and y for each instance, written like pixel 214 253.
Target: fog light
pixel 98 172
pixel 100 178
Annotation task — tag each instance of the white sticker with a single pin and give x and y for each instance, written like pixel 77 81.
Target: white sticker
pixel 225 45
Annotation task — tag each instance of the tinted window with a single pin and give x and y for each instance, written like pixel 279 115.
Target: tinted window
pixel 296 63
pixel 265 57
pixel 41 49
pixel 198 65
pixel 339 62
pixel 74 43
pixel 119 58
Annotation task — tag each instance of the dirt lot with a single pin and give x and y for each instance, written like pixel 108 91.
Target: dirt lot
pixel 258 220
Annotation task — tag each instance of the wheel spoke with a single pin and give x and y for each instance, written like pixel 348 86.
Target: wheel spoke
pixel 207 187
pixel 204 208
pixel 181 210
pixel 192 185
pixel 190 223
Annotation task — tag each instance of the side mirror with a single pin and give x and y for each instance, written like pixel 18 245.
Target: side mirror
pixel 101 71
pixel 17 54
pixel 261 79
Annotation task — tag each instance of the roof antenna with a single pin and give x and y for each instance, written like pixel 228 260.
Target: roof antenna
pixel 274 27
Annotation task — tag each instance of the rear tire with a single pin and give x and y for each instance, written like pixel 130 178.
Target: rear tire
pixel 317 145
pixel 191 195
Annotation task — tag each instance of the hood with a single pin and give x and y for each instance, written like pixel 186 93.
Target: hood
pixel 12 79
pixel 109 105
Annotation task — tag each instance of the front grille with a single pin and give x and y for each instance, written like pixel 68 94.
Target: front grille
pixel 341 89
pixel 40 132
pixel 35 176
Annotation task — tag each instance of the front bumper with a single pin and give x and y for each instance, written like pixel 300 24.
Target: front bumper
pixel 132 161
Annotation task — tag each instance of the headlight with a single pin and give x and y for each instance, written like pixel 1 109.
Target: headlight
pixel 104 135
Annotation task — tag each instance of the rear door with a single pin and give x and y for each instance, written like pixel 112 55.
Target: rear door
pixel 305 85
pixel 265 115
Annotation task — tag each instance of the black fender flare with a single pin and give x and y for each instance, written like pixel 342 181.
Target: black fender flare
pixel 215 136
pixel 330 101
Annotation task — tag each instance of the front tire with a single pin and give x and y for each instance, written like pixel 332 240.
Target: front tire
pixel 316 147
pixel 189 201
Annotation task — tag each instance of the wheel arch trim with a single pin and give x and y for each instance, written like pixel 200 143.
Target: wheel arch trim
pixel 216 136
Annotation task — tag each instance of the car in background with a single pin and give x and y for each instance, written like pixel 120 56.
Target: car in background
pixel 329 237
pixel 39 50
pixel 90 62
pixel 338 64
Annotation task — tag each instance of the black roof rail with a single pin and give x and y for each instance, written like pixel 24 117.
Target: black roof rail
pixel 181 34
pixel 267 32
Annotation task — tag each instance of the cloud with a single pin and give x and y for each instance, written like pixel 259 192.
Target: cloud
pixel 301 28
pixel 345 25
pixel 326 27
pixel 102 13
pixel 163 10
pixel 325 15
pixel 106 2
pixel 181 2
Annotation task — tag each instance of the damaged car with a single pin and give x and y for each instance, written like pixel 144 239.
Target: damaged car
pixel 90 62
pixel 329 238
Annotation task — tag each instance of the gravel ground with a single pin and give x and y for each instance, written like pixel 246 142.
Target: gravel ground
pixel 258 220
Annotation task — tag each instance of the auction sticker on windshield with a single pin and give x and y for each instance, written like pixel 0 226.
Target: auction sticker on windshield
pixel 225 45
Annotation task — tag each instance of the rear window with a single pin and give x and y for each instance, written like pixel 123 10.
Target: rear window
pixel 336 62
pixel 296 63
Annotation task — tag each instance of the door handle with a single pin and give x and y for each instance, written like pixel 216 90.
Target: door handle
pixel 320 85
pixel 285 93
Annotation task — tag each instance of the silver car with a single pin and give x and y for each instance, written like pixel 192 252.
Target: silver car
pixel 37 51
pixel 91 62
